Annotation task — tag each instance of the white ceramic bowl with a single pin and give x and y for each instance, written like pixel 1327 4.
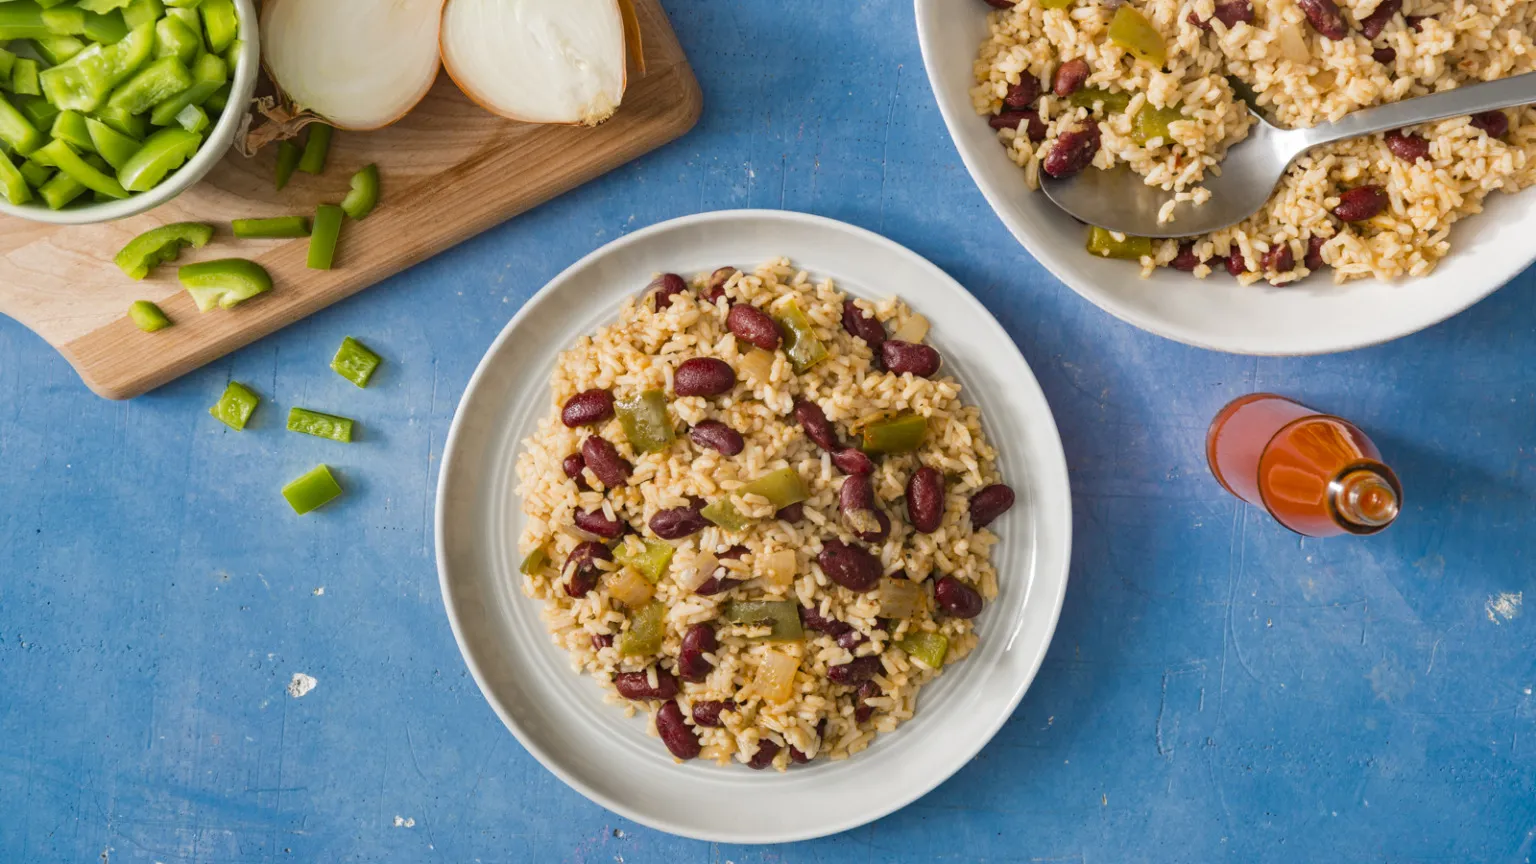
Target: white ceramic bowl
pixel 219 140
pixel 1311 318
pixel 559 715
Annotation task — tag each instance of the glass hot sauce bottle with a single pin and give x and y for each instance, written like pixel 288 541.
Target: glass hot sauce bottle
pixel 1317 474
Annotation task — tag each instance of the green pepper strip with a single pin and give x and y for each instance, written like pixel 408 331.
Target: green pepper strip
pixel 313 490
pixel 68 21
pixel 143 12
pixel 114 146
pixel 320 425
pixel 71 127
pixel 220 98
pixel 1103 244
pixel 364 195
pixel 782 488
pixel 534 562
pixel 12 184
pixel 159 245
pixel 24 78
pixel 647 626
pixel 17 131
pixel 175 39
pixel 58 49
pixel 105 29
pixel 277 226
pixel 784 615
pixel 926 646
pixel 152 85
pixel 1113 102
pixel 135 126
pixel 354 362
pixel 287 159
pixel 38 111
pixel 58 192
pixel 225 283
pixel 192 118
pixel 83 83
pixel 234 408
pixel 162 153
pixel 7 61
pixel 147 316
pixel 221 22
pixel 22 20
pixel 59 154
pixel 36 175
pixel 901 434
pixel 647 426
pixel 209 74
pixel 800 344
pixel 101 7
pixel 316 148
pixel 651 561
pixel 324 236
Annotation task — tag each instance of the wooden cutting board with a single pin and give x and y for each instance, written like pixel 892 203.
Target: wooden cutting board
pixel 450 170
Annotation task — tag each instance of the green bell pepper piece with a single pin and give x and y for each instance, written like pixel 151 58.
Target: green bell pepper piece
pixel 152 85
pixel 48 4
pixel 147 316
pixel 647 626
pixel 364 195
pixel 1152 123
pixel 1132 31
pixel 181 5
pixel 1113 102
pixel 209 73
pixel 66 21
pixel 800 343
pixel 7 61
pixel 926 646
pixel 288 154
pixel 534 562
pixel 162 153
pixel 1055 4
pixel 135 126
pixel 24 78
pixel 70 126
pixel 783 615
pixel 220 22
pixel 175 39
pixel 85 81
pixel 316 148
pixel 266 229
pixel 114 146
pixel 900 434
pixel 781 487
pixel 234 407
pixel 107 28
pixel 192 118
pixel 159 245
pixel 38 111
pixel 22 20
pixel 36 175
pixel 320 425
pixel 354 362
pixel 101 7
pixel 324 236
pixel 220 99
pixel 649 560
pixel 1103 244
pixel 225 283
pixel 58 192
pixel 313 490
pixel 140 12
pixel 189 19
pixel 13 185
pixel 58 49
pixel 647 425
pixel 60 155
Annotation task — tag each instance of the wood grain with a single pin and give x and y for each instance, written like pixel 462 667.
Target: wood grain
pixel 450 171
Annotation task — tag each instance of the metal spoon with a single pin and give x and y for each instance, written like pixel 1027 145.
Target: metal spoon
pixel 1119 200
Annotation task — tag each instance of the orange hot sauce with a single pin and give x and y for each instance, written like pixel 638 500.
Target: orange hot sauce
pixel 1317 474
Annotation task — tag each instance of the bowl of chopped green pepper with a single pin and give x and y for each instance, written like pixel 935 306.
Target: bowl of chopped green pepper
pixel 109 108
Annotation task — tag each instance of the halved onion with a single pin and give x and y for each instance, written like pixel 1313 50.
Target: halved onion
pixel 360 64
pixel 538 61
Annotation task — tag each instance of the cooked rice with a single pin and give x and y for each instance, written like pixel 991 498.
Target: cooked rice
pixel 1300 79
pixel 640 352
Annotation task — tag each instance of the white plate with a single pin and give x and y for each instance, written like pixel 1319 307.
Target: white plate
pixel 1311 318
pixel 559 716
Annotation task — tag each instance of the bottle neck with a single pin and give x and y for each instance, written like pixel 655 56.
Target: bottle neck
pixel 1365 499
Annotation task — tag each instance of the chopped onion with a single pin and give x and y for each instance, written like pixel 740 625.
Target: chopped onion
pixel 775 678
pixel 539 61
pixel 779 568
pixel 914 329
pixel 630 588
pixel 360 64
pixel 704 566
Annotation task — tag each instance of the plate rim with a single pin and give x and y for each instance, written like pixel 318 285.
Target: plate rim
pixel 1054 473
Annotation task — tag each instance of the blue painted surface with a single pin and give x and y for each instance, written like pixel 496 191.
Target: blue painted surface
pixel 1218 689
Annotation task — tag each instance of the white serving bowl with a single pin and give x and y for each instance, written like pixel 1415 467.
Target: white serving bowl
pixel 220 138
pixel 1313 317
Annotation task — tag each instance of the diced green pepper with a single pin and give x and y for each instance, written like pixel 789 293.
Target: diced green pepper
pixel 364 195
pixel 650 560
pixel 22 20
pixel 724 514
pixel 234 407
pixel 926 646
pixel 1103 244
pixel 324 235
pixel 1113 102
pixel 58 192
pixel 320 425
pixel 313 490
pixel 534 562
pixel 7 61
pixel 147 316
pixel 70 126
pixel 101 7
pixel 647 627
pixel 266 229
pixel 13 185
pixel 17 131
pixel 316 148
pixel 106 29
pixel 162 153
pixel 59 154
pixel 58 49
pixel 152 85
pixel 903 433
pixel 85 82
pixel 224 283
pixel 36 175
pixel 24 78
pixel 1055 4
pixel 1132 31
pixel 192 118
pixel 220 98
pixel 181 5
pixel 114 146
pixel 288 154
pixel 38 111
pixel 783 615
pixel 67 21
pixel 175 39
pixel 781 487
pixel 647 425
pixel 209 73
pixel 801 346
pixel 1152 123
pixel 159 245
pixel 220 21
pixel 354 362
pixel 143 12
pixel 135 126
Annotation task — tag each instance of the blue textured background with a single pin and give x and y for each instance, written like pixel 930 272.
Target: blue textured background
pixel 1218 689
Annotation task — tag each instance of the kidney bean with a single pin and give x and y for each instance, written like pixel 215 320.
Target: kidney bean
pixel 692 665
pixel 797 757
pixel 679 522
pixel 714 585
pixel 572 465
pixel 601 641
pixel 1069 77
pixel 1237 265
pixel 766 750
pixel 1001 4
pixel 637 685
pixel 957 598
pixel 717 436
pixel 597 522
pixel 853 461
pixel 879 534
pixel 1409 148
pixel 587 408
pixel 925 499
pixel 1325 18
pixel 1279 258
pixel 1029 118
pixel 734 553
pixel 1372 24
pixel 850 640
pixel 1073 150
pixel 865 326
pixel 1314 259
pixel 812 619
pixel 1495 123
pixel 792 513
pixel 922 361
pixel 1186 260
pixel 1024 93
pixel 1417 22
pixel 816 425
pixel 857 493
pixel 1361 203
pixel 715 288
pixel 708 713
pixel 856 671
pixel 585 573
pixel 990 503
pixel 675 732
pixel 605 461
pixel 665 287
pixel 862 711
pixel 849 566
pixel 1384 56
pixel 751 324
pixel 703 376
pixel 1230 12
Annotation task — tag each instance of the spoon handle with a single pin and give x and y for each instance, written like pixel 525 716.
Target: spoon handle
pixel 1471 99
